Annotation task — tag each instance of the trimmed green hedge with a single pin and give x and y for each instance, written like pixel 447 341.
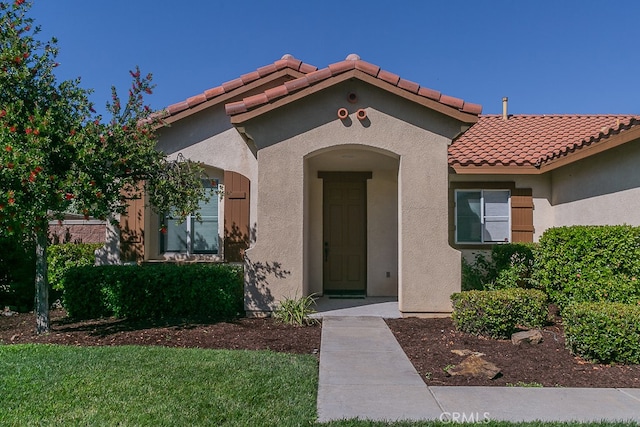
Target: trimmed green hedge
pixel 154 291
pixel 497 314
pixel 64 256
pixel 589 263
pixel 604 332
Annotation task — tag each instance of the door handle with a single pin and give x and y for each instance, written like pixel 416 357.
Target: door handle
pixel 326 251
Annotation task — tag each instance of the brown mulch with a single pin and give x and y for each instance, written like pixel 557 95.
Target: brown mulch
pixel 241 334
pixel 427 342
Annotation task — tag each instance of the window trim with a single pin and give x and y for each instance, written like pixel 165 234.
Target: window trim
pixel 482 216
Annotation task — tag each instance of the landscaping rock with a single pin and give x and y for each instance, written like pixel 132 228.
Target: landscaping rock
pixel 533 336
pixel 466 352
pixel 475 366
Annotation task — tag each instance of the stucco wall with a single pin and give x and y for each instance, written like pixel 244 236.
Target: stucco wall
pixel 280 264
pixel 208 138
pixel 599 190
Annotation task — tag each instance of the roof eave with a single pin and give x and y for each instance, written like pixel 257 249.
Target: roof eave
pixel 495 169
pixel 587 151
pixel 355 73
pixel 225 97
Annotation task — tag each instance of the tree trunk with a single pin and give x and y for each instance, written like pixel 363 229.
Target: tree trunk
pixel 42 287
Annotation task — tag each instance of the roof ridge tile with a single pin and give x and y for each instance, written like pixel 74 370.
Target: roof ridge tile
pixel 311 75
pixel 287 61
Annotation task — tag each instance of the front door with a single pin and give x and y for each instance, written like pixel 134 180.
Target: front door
pixel 345 232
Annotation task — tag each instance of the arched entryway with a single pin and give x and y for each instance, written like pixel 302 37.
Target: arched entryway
pixel 351 221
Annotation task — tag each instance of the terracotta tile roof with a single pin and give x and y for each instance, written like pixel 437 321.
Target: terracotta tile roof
pixel 286 62
pixel 353 62
pixel 532 140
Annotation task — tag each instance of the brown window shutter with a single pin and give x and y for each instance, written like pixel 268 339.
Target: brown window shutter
pixel 521 215
pixel 132 229
pixel 237 230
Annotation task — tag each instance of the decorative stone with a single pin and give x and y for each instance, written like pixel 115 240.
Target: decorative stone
pixel 534 336
pixel 466 352
pixel 475 366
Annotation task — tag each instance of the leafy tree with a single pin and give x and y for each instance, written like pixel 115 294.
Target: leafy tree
pixel 57 155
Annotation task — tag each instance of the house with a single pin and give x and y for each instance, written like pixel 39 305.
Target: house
pixel 352 180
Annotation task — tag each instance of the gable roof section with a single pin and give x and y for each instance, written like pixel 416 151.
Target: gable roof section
pixel 351 67
pixel 286 67
pixel 536 143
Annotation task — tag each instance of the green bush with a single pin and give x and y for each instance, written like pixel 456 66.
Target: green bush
pixel 64 256
pixel 154 291
pixel 509 266
pixel 603 332
pixel 477 274
pixel 499 313
pixel 589 264
pixel 17 274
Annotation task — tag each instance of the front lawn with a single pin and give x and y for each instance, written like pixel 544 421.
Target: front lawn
pixel 154 386
pixel 159 386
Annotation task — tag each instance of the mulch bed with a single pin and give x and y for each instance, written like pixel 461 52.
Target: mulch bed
pixel 242 334
pixel 427 343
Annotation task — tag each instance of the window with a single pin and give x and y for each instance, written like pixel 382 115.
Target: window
pixel 482 216
pixel 193 236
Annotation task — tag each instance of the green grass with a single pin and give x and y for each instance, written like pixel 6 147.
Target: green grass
pixel 154 386
pixel 157 386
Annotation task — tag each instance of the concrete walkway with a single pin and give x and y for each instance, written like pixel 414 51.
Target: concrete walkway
pixel 364 373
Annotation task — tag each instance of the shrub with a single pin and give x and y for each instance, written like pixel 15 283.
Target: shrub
pixel 499 313
pixel 17 274
pixel 589 264
pixel 155 291
pixel 295 311
pixel 475 275
pixel 603 332
pixel 64 256
pixel 509 266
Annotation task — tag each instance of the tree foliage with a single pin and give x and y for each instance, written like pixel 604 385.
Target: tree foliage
pixel 57 155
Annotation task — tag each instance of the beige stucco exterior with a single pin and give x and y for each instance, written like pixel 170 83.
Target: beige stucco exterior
pixel 208 138
pixel 404 146
pixel 282 146
pixel 599 190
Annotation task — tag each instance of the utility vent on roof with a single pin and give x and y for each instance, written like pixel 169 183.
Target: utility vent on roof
pixel 505 108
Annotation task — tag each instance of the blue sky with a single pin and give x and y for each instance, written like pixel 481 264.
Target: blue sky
pixel 547 56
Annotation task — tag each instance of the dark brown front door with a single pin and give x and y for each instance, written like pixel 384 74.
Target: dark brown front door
pixel 345 233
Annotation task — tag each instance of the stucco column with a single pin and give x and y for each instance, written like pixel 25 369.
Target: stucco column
pixel 274 265
pixel 429 267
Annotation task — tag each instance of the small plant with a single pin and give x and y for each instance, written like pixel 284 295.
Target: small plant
pixel 447 368
pixel 296 311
